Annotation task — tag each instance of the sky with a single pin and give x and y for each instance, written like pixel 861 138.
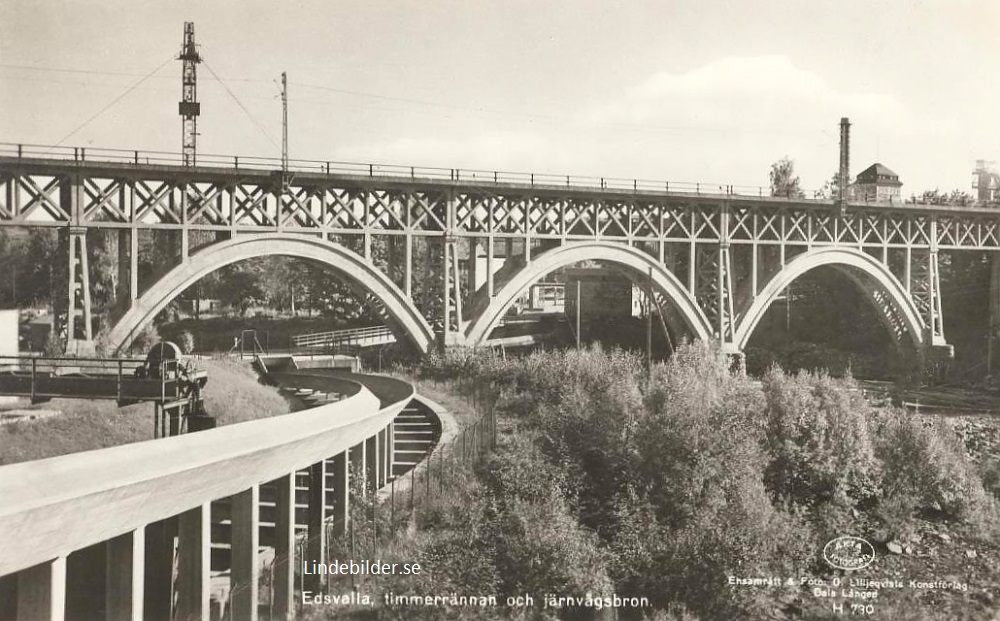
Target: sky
pixel 681 90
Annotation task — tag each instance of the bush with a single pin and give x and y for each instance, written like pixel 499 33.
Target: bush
pixel 701 433
pixel 540 547
pixel 818 440
pixel 925 464
pixel 990 474
pixel 145 340
pixel 185 340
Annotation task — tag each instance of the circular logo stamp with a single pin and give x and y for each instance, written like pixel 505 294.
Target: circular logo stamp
pixel 848 553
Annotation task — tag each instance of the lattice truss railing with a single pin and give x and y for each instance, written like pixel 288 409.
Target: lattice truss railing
pixel 235 199
pixel 925 289
pixel 715 288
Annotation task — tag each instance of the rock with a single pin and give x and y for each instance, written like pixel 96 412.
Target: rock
pixel 945 537
pixel 894 547
pixel 909 549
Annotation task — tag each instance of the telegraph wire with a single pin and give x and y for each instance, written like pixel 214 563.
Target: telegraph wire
pixel 113 102
pixel 529 116
pixel 240 104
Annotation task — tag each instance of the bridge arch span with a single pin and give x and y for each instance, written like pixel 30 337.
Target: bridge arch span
pixel 896 308
pixel 631 261
pixel 361 275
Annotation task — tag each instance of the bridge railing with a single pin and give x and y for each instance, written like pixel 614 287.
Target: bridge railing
pixel 329 167
pixel 352 336
pixel 396 171
pixel 91 378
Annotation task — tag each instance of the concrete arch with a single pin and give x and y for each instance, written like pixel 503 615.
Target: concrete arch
pixel 359 273
pixel 624 257
pixel 859 267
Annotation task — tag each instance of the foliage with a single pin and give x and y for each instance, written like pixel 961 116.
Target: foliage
pixel 697 474
pixel 926 466
pixel 818 438
pixel 239 289
pixel 144 340
pixel 990 474
pixel 784 181
pixel 540 548
pixel 937 197
pixel 185 340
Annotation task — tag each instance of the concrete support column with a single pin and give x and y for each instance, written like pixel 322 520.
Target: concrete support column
pixel 994 307
pixel 284 548
pixel 123 594
pixel 245 544
pixel 445 292
pixel 316 546
pixel 358 463
pixel 342 495
pixel 41 592
pixel 371 462
pixel 79 287
pixel 158 579
pixel 473 270
pixel 128 277
pixel 383 446
pixel 408 266
pixel 490 251
pixel 390 457
pixel 194 546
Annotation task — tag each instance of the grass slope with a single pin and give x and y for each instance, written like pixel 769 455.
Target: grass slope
pixel 233 394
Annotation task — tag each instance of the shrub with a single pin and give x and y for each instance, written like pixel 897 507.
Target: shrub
pixel 145 340
pixel 54 345
pixel 185 340
pixel 818 440
pixel 990 474
pixel 925 462
pixel 736 530
pixel 700 433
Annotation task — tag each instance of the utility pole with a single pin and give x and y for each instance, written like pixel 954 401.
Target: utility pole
pixel 284 122
pixel 189 108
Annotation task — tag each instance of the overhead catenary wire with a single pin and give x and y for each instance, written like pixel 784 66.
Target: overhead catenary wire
pixel 239 103
pixel 112 103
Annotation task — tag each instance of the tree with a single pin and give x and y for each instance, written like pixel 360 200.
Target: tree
pixel 831 189
pixel 784 181
pixel 240 289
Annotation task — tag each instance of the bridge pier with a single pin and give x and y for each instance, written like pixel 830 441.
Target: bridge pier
pixel 128 267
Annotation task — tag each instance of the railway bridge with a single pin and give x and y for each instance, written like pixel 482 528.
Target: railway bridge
pixel 715 256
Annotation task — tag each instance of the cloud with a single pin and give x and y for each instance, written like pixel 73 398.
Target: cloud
pixel 756 92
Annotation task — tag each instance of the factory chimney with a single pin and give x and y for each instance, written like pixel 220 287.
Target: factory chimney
pixel 844 176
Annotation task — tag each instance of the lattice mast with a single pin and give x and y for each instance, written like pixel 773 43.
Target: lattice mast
pixel 189 108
